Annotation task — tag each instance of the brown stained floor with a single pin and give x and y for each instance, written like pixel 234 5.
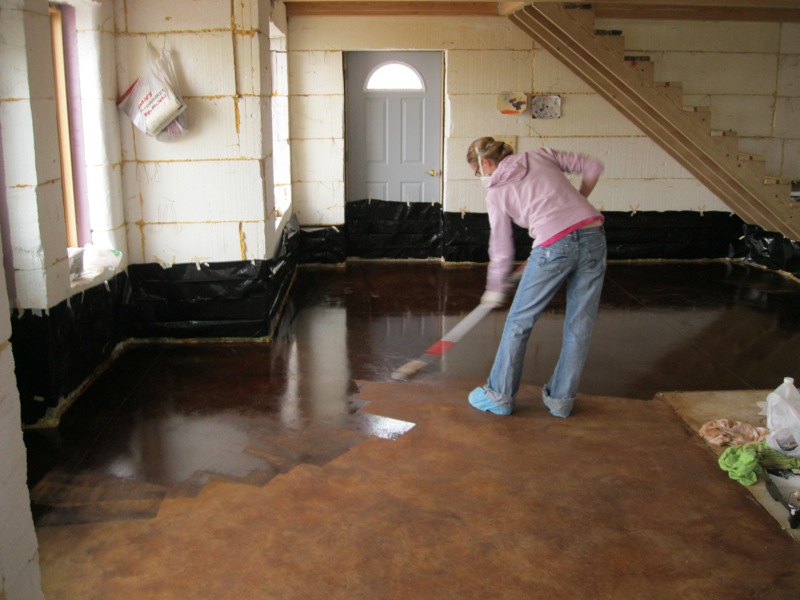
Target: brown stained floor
pixel 299 469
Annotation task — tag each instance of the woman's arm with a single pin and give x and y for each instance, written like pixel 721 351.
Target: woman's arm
pixel 587 185
pixel 501 247
pixel 589 168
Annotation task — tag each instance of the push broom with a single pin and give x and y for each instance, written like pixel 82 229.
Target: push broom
pixel 408 370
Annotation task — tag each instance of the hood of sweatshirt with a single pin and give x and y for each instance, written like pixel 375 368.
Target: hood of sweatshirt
pixel 512 168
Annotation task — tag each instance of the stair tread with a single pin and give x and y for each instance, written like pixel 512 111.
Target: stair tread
pixel 748 156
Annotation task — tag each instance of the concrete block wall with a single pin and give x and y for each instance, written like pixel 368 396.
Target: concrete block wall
pixel 485 56
pixel 206 196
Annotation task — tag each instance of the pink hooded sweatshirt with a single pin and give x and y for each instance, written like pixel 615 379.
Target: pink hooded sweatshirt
pixel 531 190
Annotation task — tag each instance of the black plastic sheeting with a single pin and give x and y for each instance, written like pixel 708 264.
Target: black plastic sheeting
pixel 396 230
pixel 219 300
pixel 771 250
pixel 326 245
pixel 673 235
pixel 384 229
pixel 55 351
pixel 466 238
pixel 643 235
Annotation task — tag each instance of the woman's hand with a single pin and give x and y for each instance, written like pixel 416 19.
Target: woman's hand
pixel 493 299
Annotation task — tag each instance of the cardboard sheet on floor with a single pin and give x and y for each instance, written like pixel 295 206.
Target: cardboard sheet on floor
pixel 697 408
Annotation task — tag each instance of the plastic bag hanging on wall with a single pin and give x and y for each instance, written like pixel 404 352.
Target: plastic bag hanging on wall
pixel 154 102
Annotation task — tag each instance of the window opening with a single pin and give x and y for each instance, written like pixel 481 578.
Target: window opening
pixel 395 76
pixel 282 171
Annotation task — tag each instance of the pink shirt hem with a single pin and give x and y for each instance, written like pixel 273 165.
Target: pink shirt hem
pixel 570 229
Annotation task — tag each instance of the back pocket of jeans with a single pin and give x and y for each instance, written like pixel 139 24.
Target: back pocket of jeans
pixel 552 260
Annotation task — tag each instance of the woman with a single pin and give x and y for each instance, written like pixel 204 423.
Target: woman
pixel 531 189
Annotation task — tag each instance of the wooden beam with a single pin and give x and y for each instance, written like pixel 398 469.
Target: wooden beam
pixel 774 11
pixel 62 121
pixel 505 7
pixel 698 13
pixel 761 4
pixel 407 8
pixel 771 11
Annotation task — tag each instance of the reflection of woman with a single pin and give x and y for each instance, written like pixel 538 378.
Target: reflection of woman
pixel 532 190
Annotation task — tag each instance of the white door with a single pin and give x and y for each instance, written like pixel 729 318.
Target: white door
pixel 394 126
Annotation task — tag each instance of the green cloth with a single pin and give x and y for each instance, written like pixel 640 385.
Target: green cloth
pixel 746 462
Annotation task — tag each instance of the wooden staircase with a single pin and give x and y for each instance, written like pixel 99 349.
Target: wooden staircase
pixel 567 31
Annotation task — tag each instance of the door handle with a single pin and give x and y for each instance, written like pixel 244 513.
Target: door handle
pixel 432 172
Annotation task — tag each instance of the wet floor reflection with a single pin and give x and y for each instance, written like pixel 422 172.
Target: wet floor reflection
pixel 165 419
pixel 661 327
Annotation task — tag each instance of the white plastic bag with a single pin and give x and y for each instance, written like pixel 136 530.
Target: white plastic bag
pixel 783 419
pixel 101 259
pixel 154 102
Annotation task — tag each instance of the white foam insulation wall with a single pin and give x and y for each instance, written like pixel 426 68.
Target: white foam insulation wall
pixel 747 73
pixel 206 196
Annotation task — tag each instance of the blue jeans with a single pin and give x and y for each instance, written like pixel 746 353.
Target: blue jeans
pixel 579 260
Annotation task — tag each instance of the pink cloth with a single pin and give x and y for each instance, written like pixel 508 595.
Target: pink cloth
pixel 532 190
pixel 727 432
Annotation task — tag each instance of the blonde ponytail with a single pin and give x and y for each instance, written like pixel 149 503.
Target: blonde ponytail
pixel 488 147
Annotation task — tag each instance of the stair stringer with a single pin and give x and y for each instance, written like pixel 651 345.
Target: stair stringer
pixel 722 170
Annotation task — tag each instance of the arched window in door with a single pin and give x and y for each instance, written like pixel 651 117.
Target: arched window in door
pixel 394 76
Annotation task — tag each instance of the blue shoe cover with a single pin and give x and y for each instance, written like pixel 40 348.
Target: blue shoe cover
pixel 558 408
pixel 481 401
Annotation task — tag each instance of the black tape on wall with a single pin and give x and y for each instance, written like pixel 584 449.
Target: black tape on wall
pixel 54 352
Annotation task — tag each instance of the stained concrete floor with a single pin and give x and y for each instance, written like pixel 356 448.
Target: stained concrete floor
pixel 299 469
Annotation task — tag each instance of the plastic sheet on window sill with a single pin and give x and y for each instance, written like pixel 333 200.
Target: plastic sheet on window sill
pixel 91 266
pixel 89 279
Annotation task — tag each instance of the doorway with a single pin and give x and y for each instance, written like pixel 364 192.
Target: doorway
pixel 393 126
